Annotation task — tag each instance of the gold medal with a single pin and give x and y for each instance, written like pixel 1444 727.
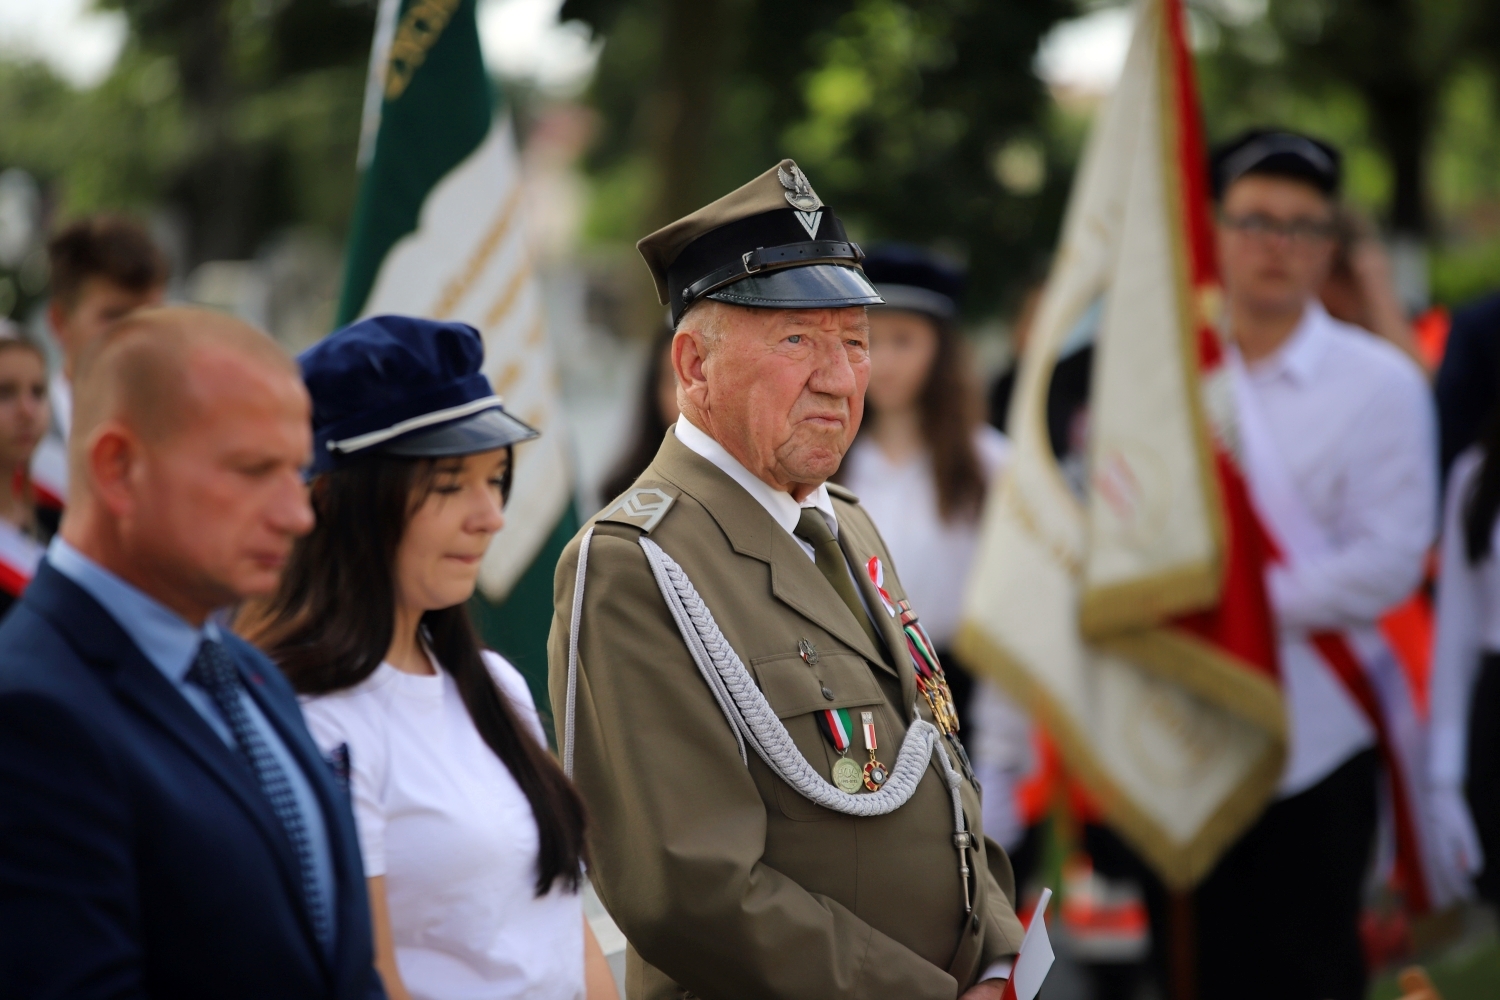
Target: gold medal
pixel 847 775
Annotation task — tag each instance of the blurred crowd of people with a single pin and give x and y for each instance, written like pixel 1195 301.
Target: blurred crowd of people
pixel 469 835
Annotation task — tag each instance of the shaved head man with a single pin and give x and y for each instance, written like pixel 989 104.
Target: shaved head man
pixel 167 827
pixel 191 433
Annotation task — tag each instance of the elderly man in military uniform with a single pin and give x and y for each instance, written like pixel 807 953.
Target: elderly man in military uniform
pixel 781 805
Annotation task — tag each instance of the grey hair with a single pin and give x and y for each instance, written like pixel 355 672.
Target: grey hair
pixel 707 318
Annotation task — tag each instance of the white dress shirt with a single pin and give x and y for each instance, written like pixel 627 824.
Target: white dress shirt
pixel 1353 421
pixel 785 511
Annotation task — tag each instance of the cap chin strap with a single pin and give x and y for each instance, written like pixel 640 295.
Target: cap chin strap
pixel 751 718
pixel 772 259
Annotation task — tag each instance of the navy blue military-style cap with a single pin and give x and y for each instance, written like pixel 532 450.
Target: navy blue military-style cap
pixel 771 244
pixel 917 280
pixel 1276 153
pixel 404 386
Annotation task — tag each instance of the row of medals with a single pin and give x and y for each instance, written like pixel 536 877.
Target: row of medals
pixel 848 775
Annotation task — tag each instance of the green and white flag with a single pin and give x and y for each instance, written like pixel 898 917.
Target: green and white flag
pixel 439 231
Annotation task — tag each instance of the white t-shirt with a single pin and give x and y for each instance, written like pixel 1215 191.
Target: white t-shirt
pixel 932 556
pixel 441 817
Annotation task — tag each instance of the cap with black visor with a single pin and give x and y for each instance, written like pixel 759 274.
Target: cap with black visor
pixel 771 244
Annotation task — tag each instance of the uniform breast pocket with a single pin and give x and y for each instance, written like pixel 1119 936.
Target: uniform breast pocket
pixel 797 691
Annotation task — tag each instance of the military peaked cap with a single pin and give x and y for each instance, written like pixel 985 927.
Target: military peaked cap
pixel 772 244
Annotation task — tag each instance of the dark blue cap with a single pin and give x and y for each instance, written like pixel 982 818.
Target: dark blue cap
pixel 403 386
pixel 909 277
pixel 1276 153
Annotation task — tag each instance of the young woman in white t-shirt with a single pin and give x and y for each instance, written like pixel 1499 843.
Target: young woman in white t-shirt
pixel 472 837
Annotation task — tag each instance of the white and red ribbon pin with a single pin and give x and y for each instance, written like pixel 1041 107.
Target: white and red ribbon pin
pixel 877 577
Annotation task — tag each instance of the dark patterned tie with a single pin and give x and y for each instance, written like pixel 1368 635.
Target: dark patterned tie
pixel 813 530
pixel 215 673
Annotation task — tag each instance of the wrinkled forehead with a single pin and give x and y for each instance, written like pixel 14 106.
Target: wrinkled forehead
pixel 843 319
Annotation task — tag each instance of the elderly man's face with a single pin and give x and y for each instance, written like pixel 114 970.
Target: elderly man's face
pixel 782 390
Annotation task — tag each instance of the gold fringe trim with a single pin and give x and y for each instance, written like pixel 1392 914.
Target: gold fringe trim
pixel 1183 658
pixel 1180 865
pixel 1147 601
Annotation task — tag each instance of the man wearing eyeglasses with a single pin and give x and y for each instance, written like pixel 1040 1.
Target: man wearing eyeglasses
pixel 1336 435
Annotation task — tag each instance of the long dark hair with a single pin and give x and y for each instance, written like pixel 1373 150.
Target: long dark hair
pixel 951 410
pixel 1483 502
pixel 330 624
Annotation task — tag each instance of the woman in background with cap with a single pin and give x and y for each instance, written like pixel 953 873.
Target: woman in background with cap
pixel 473 839
pixel 921 465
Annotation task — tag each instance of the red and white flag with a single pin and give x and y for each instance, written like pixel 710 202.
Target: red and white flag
pixel 1133 620
pixel 1035 958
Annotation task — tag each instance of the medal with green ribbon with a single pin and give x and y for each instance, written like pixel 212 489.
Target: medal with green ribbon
pixel 839 729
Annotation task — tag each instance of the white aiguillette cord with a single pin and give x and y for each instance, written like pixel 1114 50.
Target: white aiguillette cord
pixel 751 717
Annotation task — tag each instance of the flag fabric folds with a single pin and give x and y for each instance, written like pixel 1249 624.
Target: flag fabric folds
pixel 1035 958
pixel 439 231
pixel 1133 620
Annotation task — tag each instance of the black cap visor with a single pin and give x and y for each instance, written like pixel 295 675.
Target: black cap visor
pixel 483 431
pixel 813 286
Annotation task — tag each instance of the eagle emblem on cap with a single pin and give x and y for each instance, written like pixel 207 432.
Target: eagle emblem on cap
pixel 799 190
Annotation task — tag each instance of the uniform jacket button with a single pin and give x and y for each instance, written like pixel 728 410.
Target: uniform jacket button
pixel 827 694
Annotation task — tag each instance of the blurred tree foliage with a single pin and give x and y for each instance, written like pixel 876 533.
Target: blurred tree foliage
pixel 1378 76
pixel 238 116
pixel 918 120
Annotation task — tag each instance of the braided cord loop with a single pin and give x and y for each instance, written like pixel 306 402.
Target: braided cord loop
pixel 751 718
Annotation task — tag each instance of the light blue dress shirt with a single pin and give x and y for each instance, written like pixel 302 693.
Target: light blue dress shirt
pixel 171 645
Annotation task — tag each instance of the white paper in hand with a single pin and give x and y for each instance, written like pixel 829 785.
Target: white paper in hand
pixel 1035 958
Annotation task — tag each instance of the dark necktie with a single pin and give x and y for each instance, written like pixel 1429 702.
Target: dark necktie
pixel 811 528
pixel 214 672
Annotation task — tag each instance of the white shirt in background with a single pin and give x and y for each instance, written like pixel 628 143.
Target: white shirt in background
pixel 1353 421
pixel 933 556
pixel 49 463
pixel 1468 626
pixel 441 817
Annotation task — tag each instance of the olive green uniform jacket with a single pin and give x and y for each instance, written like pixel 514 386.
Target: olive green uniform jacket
pixel 726 882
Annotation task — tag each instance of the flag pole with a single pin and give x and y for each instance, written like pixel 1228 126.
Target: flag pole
pixel 1182 946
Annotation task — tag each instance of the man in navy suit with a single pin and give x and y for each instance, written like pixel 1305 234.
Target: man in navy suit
pixel 167 827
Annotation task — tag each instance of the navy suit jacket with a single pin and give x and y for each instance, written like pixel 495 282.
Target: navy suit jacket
pixel 138 858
